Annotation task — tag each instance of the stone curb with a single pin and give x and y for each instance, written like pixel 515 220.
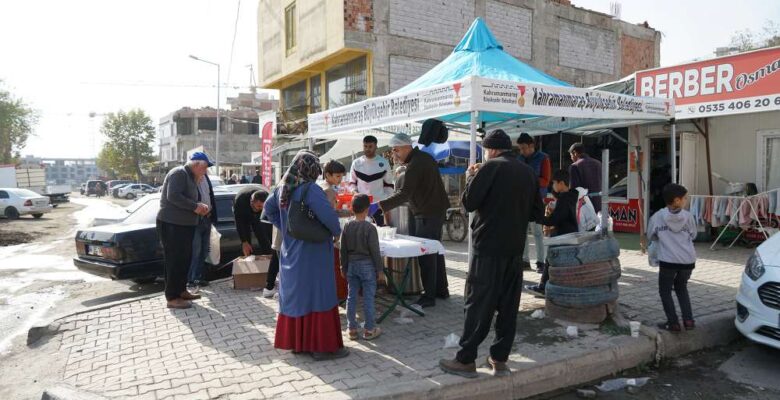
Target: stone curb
pixel 51 326
pixel 67 392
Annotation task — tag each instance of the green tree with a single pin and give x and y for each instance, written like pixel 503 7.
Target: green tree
pixel 16 125
pixel 130 136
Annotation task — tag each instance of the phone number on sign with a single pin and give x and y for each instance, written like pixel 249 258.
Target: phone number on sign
pixel 740 105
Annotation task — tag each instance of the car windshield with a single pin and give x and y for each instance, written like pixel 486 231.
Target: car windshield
pixel 145 214
pixel 24 193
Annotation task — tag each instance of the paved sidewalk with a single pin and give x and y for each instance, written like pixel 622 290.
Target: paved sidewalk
pixel 223 347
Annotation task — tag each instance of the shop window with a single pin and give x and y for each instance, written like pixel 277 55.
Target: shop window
pixel 294 98
pixel 290 28
pixel 315 94
pixel 769 160
pixel 347 83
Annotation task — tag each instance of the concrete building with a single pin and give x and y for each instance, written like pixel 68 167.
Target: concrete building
pixel 325 53
pixel 65 171
pixel 187 128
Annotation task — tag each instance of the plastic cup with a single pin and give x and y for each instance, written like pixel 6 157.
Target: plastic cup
pixel 635 325
pixel 391 233
pixel 572 331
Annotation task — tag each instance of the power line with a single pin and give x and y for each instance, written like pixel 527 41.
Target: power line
pixel 233 44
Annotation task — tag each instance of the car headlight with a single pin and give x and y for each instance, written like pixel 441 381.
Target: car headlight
pixel 754 267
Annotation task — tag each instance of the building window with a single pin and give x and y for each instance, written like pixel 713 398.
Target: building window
pixel 769 160
pixel 207 124
pixel 290 28
pixel 294 98
pixel 315 88
pixel 347 83
pixel 184 126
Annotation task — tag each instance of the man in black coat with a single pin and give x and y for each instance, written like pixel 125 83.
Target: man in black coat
pixel 247 208
pixel 424 189
pixel 504 195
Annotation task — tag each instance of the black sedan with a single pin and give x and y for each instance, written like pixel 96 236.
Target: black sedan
pixel 131 250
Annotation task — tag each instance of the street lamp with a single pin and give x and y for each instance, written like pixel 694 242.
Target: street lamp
pixel 216 156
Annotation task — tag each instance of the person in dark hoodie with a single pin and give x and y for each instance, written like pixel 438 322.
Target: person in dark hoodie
pixel 672 229
pixel 563 218
pixel 502 192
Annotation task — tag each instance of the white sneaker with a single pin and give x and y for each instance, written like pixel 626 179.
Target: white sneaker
pixel 269 293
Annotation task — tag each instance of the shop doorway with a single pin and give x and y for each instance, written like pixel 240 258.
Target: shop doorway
pixel 660 166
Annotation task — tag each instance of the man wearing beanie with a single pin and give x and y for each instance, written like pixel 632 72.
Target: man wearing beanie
pixel 424 190
pixel 503 194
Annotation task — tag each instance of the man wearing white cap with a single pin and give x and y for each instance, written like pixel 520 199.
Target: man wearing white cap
pixel 424 190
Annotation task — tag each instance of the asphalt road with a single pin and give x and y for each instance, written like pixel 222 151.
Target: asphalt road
pixel 740 371
pixel 38 278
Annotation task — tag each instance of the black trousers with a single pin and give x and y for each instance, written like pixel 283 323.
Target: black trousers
pixel 177 254
pixel 675 279
pixel 433 271
pixel 493 285
pixel 545 276
pixel 273 270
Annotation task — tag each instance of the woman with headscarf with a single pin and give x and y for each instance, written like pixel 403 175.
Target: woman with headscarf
pixel 308 319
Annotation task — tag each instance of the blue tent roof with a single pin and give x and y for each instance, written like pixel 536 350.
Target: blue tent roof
pixel 479 53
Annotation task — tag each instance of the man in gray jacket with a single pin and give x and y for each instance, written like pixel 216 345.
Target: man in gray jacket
pixel 180 208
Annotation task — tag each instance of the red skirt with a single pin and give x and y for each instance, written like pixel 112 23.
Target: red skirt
pixel 341 283
pixel 315 332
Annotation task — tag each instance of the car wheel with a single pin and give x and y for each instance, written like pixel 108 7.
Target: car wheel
pixel 589 315
pixel 129 196
pixel 581 297
pixel 11 213
pixel 588 275
pixel 143 281
pixel 37 216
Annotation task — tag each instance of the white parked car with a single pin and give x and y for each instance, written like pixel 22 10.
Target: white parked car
pixel 134 190
pixel 758 300
pixel 16 202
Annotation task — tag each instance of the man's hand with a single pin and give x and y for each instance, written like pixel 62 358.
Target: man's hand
pixel 246 248
pixel 473 168
pixel 202 209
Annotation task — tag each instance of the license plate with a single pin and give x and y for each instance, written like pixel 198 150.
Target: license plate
pixel 95 251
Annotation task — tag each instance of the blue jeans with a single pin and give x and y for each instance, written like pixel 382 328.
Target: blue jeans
pixel 200 249
pixel 536 229
pixel 361 274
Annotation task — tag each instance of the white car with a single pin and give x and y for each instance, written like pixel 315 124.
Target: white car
pixel 134 190
pixel 758 300
pixel 16 202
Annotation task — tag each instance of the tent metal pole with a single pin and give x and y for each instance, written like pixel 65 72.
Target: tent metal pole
pixel 472 161
pixel 604 191
pixel 674 151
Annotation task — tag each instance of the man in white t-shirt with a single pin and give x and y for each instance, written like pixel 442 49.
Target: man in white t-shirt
pixel 370 174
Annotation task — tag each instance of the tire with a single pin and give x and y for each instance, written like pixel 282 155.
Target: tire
pixel 457 227
pixel 11 213
pixel 37 216
pixel 589 315
pixel 581 297
pixel 586 253
pixel 129 196
pixel 142 281
pixel 588 275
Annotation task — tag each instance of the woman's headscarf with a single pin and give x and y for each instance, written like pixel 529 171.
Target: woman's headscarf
pixel 305 168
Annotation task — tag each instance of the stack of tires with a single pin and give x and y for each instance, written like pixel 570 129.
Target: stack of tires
pixel 583 285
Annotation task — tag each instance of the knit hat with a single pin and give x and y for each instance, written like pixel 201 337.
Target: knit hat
pixel 400 139
pixel 497 140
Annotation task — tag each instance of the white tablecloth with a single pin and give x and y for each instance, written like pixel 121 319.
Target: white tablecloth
pixel 409 246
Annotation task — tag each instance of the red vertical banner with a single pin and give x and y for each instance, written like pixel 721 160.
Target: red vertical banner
pixel 267 128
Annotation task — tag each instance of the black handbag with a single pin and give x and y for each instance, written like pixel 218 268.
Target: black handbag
pixel 302 224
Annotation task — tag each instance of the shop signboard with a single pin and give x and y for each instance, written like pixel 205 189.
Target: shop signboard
pixel 625 215
pixel 267 123
pixel 737 84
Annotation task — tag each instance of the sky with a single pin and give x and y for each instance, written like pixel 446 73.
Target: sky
pixel 67 59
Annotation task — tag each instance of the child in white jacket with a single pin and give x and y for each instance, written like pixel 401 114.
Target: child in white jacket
pixel 673 230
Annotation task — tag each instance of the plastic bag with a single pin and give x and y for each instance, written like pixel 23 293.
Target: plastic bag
pixel 451 341
pixel 616 384
pixel 586 214
pixel 538 314
pixel 598 224
pixel 652 254
pixel 214 254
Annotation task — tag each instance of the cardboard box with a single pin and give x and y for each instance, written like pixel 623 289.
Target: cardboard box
pixel 250 272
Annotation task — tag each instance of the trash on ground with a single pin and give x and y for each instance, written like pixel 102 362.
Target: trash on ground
pixel 620 383
pixel 538 314
pixel 586 394
pixel 451 341
pixel 635 326
pixel 403 321
pixel 571 331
